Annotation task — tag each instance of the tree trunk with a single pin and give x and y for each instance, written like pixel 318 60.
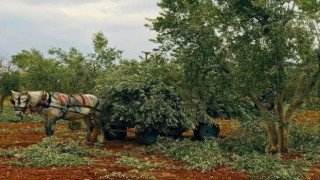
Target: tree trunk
pixel 277 125
pixel 272 137
pixel 2 102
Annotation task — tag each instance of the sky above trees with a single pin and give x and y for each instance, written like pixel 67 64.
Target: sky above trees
pixel 39 24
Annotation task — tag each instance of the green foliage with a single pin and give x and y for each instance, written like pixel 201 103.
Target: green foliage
pixel 78 72
pixel 204 155
pixel 103 56
pixel 9 152
pixel 53 152
pixel 305 137
pixel 270 166
pixel 8 81
pixel 68 71
pixel 37 72
pixel 187 29
pixel 245 152
pixel 8 115
pixel 231 108
pixel 148 95
pixel 252 138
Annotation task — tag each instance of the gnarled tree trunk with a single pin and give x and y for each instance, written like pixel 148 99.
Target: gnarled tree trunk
pixel 278 121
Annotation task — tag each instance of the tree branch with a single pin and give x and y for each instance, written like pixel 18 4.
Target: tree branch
pixel 260 106
pixel 302 90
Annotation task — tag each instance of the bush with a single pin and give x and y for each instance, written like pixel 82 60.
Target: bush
pixel 148 95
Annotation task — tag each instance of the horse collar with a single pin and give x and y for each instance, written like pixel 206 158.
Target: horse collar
pixel 45 101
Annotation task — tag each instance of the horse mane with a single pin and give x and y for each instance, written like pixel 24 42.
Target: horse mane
pixel 25 93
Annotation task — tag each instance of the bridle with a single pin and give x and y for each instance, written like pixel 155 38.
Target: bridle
pixel 17 106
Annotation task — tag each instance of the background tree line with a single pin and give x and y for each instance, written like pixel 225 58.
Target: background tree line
pixel 229 53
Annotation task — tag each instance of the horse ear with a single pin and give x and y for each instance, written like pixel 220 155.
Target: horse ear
pixel 13 93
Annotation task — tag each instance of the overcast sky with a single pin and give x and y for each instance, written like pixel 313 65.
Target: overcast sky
pixel 42 24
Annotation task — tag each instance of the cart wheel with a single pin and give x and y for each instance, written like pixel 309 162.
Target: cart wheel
pixel 206 130
pixel 147 137
pixel 116 132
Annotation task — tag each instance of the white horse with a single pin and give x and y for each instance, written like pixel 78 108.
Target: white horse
pixel 56 106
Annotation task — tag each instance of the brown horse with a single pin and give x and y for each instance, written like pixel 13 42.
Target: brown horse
pixel 56 106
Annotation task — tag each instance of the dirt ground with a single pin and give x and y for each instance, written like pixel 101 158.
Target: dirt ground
pixel 27 133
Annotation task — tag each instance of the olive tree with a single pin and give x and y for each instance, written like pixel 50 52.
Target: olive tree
pixel 266 51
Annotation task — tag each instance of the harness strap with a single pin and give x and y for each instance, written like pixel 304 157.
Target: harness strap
pixel 96 106
pixel 45 101
pixel 83 100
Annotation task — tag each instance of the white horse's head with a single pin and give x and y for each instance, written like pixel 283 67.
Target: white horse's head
pixel 20 101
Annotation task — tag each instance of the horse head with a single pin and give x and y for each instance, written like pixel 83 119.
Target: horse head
pixel 20 101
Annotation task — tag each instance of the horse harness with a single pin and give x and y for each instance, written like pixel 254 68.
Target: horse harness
pixel 46 100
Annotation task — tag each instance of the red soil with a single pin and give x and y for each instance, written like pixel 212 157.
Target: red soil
pixel 27 133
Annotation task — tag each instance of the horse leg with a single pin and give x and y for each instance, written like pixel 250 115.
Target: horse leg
pixel 100 123
pixel 96 131
pixel 90 127
pixel 50 125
